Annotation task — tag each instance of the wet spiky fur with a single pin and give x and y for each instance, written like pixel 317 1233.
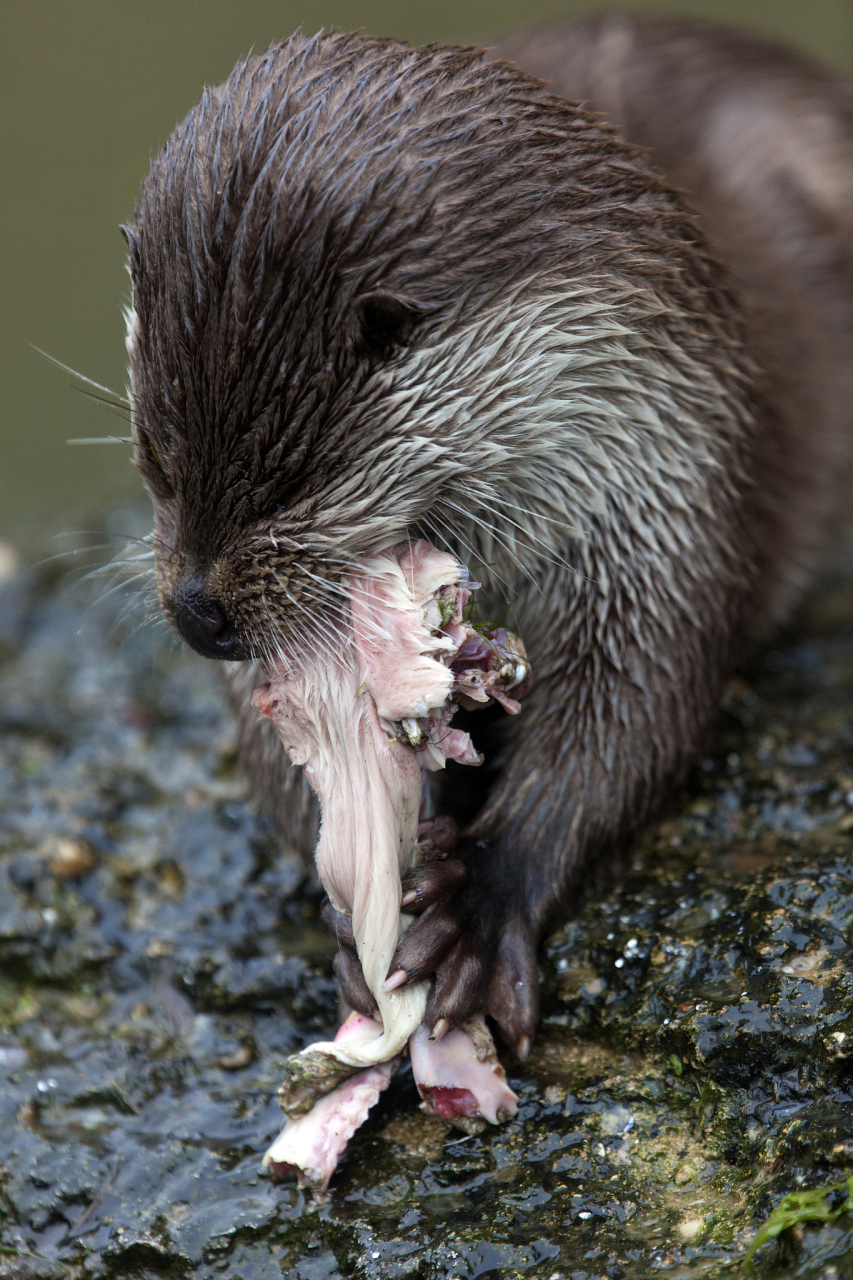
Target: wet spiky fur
pixel 382 291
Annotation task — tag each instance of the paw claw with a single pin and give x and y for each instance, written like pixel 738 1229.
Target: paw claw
pixel 434 882
pixel 398 977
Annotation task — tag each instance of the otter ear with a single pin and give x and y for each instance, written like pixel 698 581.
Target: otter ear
pixel 132 240
pixel 383 321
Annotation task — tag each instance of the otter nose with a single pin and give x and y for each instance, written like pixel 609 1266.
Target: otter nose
pixel 204 624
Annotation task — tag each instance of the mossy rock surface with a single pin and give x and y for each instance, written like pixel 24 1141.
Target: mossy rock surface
pixel 160 958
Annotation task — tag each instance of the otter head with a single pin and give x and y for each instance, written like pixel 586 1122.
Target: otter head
pixel 347 265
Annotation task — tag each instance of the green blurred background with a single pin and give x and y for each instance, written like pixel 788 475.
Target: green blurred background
pixel 90 89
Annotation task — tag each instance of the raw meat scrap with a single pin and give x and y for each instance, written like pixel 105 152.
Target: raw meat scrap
pixel 460 1078
pixel 363 723
pixel 311 1145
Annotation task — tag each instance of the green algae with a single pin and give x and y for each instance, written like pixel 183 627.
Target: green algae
pixel 308 1077
pixel 822 1205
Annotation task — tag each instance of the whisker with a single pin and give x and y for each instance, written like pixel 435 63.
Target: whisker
pixel 460 541
pixel 99 440
pixel 90 395
pixel 538 515
pixel 81 376
pixel 118 410
pixel 507 545
pixel 309 637
pixel 561 562
pixel 558 563
pixel 122 585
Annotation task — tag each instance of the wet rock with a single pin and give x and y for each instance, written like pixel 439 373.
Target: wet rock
pixel 159 958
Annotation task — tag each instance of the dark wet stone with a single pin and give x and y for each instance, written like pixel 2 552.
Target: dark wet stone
pixel 694 1063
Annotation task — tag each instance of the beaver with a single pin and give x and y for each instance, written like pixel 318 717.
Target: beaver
pixel 383 293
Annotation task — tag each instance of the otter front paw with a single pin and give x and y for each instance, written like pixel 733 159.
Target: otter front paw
pixel 427 888
pixel 480 947
pixel 355 992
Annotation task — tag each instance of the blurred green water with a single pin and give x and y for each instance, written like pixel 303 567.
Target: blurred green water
pixel 89 90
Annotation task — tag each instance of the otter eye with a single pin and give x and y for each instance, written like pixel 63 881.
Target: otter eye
pixel 383 323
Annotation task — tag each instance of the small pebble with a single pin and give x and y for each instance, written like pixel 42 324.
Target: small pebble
pixel 69 858
pixel 239 1058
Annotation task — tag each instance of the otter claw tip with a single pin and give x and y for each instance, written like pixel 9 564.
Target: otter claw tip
pixel 440 1029
pixel 398 977
pixel 409 898
pixel 522 1047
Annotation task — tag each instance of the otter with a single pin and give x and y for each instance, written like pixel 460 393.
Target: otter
pixel 593 337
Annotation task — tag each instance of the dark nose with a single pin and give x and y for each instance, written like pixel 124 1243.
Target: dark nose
pixel 204 624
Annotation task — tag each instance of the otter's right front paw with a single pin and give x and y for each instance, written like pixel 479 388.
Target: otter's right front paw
pixel 354 990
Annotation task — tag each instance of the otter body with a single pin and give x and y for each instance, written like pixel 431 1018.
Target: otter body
pixel 383 292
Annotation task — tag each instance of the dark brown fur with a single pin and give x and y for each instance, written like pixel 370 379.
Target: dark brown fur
pixel 760 140
pixel 353 245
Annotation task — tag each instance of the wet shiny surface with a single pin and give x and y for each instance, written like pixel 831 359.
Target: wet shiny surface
pixel 90 90
pixel 158 960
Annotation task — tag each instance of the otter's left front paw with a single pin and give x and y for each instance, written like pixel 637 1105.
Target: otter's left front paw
pixel 492 970
pixel 480 947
